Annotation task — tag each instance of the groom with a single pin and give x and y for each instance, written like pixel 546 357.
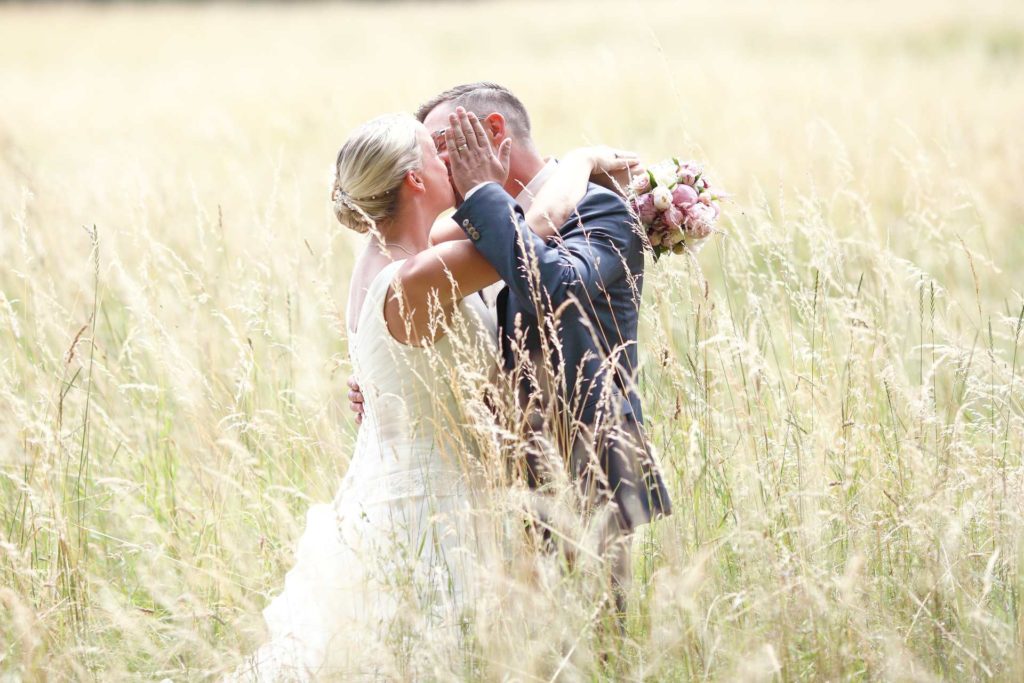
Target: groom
pixel 567 316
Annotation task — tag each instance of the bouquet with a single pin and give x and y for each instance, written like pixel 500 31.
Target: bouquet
pixel 676 206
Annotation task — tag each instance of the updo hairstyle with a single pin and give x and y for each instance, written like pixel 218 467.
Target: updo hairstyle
pixel 370 169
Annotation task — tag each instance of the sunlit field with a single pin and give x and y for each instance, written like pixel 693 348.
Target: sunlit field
pixel 835 387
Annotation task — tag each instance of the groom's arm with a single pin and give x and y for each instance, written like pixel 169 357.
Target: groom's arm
pixel 579 266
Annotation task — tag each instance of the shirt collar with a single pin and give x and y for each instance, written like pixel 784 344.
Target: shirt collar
pixel 525 198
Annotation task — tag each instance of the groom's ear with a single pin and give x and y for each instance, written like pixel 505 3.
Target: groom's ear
pixel 495 124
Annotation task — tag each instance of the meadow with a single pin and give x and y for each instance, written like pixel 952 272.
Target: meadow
pixel 835 387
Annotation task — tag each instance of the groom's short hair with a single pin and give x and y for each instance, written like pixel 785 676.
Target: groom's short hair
pixel 483 98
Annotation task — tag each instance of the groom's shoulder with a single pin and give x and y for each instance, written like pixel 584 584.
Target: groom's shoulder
pixel 607 209
pixel 484 200
pixel 602 199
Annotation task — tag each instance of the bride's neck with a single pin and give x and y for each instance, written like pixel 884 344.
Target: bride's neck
pixel 409 229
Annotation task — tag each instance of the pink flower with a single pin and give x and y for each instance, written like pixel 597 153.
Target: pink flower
pixel 700 212
pixel 683 195
pixel 688 172
pixel 640 183
pixel 699 218
pixel 673 217
pixel 645 208
pixel 699 229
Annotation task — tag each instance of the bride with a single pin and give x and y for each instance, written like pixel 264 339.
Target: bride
pixel 394 554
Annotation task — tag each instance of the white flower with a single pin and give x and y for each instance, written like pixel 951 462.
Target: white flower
pixel 664 174
pixel 662 197
pixel 667 180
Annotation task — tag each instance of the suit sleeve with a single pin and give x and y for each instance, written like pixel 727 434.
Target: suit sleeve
pixel 580 266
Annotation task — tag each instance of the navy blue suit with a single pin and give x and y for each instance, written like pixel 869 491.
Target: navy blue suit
pixel 573 302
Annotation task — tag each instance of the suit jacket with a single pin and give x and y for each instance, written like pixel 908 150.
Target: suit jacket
pixel 573 302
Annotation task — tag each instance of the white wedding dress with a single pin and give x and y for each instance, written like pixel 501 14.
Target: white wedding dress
pixel 392 558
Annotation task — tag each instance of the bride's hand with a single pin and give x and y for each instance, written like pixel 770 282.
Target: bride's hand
pixel 610 167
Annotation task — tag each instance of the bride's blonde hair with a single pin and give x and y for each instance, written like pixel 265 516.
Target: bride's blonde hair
pixel 370 169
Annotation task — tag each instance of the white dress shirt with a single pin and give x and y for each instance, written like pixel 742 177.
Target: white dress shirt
pixel 525 197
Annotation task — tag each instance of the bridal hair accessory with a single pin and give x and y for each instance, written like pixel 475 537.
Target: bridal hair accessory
pixel 339 194
pixel 676 205
pixel 349 211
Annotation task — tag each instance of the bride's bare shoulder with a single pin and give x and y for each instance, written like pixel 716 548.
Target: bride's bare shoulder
pixel 365 270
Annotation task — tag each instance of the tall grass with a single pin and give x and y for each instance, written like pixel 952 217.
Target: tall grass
pixel 835 389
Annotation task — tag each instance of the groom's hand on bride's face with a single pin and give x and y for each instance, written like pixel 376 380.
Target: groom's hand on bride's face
pixel 355 399
pixel 471 153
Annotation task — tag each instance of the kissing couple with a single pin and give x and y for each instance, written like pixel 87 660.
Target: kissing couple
pixel 395 549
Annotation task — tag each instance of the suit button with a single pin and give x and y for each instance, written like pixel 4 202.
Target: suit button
pixel 465 222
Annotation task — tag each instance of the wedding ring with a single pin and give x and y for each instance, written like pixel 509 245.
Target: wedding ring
pixel 462 147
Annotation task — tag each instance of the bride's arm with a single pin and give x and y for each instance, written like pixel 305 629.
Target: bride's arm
pixel 558 198
pixel 429 285
pixel 445 230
